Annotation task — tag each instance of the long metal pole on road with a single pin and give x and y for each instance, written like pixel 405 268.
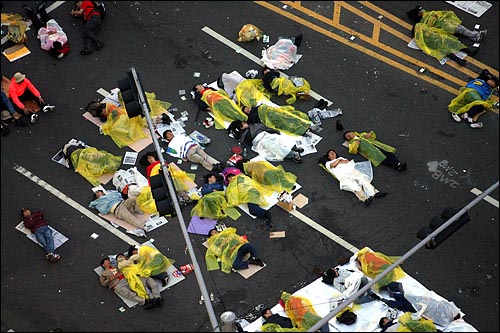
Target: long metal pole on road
pixel 197 271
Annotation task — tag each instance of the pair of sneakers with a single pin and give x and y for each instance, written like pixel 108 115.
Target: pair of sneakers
pixel 45 109
pixel 255 261
pixel 53 257
pixel 220 226
pixel 465 116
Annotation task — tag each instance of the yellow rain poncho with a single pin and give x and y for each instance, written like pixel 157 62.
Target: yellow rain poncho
pixel 243 189
pixel 122 129
pixel 212 205
pixel 224 245
pixel 251 92
pixel 367 145
pixel 435 33
pixel 374 263
pixel 411 325
pixel 470 96
pixel 284 86
pixel 146 202
pixel 150 262
pixel 274 178
pixel 300 310
pixel 156 106
pixel 223 108
pixel 92 163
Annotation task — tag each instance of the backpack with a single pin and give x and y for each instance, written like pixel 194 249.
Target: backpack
pixel 347 317
pixel 100 8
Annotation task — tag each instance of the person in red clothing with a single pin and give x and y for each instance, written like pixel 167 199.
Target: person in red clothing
pixel 93 23
pixel 39 227
pixel 21 90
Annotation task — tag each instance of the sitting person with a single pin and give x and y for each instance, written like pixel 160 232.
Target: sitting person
pixel 474 99
pixel 265 141
pixel 350 178
pixel 182 146
pixel 37 224
pixel 112 202
pixel 213 183
pixel 218 102
pixel 369 147
pixel 22 91
pixel 434 32
pixel 52 37
pixel 274 83
pixel 234 251
pixel 348 282
pixel 6 104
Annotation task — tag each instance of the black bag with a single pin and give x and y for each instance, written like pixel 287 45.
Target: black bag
pixel 100 8
pixel 347 317
pixel 96 109
pixel 328 276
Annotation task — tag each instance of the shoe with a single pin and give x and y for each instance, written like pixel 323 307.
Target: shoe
pixel 368 201
pixel 339 125
pixel 481 35
pixel 456 117
pixel 60 56
pixel 298 149
pixel 380 194
pixel 375 296
pixel 267 225
pixel 34 116
pixel 320 104
pixel 99 45
pixel 49 256
pixel 164 281
pixel 476 125
pixel 298 40
pixel 48 108
pixel 149 304
pixel 222 226
pixel 402 166
pixel 158 301
pixel 5 131
pixel 41 6
pixel 297 158
pixel 55 258
pixel 85 52
pixel 302 96
pixel 28 8
pixel 218 227
pixel 256 261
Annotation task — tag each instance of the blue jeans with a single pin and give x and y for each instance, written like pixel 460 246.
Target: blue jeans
pixel 244 249
pixel 90 30
pixel 256 210
pixel 44 236
pixel 8 104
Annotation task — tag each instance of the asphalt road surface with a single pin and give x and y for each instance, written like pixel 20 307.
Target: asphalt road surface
pixel 374 78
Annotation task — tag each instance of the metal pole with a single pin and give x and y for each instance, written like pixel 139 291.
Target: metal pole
pixel 417 247
pixel 197 270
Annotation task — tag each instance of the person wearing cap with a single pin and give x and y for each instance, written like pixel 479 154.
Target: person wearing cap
pixel 21 90
pixel 474 99
pixel 37 224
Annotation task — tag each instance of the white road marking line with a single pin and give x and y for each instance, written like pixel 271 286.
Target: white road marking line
pixel 250 56
pixel 75 205
pixel 324 231
pixel 48 9
pixel 487 198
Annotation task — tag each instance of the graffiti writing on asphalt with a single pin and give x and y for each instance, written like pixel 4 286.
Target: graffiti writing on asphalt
pixel 443 172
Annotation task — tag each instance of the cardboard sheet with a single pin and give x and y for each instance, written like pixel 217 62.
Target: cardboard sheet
pixel 151 222
pixel 16 52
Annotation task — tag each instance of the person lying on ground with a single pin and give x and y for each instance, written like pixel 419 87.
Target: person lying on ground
pixel 219 103
pixel 234 251
pixel 112 202
pixel 265 141
pixel 366 144
pixel 37 224
pixel 182 146
pixel 274 318
pixel 406 323
pixel 350 178
pixel 274 178
pixel 160 262
pixel 212 183
pixel 275 84
pixel 474 99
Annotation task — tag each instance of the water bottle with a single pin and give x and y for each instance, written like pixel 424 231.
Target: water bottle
pixel 245 152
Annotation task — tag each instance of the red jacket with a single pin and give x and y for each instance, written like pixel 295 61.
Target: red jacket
pixel 17 89
pixel 88 10
pixel 34 221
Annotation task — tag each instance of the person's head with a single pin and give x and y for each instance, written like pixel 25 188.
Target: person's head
pixel 120 257
pixel 25 212
pixel 415 14
pixel 151 157
pixel 383 321
pixel 19 77
pixel 198 88
pixel 246 109
pixel 57 45
pixel 105 263
pixel 234 129
pixel 492 82
pixel 77 5
pixel 348 135
pixel 211 178
pixel 132 250
pixel 266 70
pixel 212 232
pixel 266 313
pixel 168 135
pixel 331 154
pixel 229 177
pixel 99 193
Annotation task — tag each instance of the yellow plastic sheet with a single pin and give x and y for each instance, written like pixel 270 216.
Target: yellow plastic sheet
pixel 92 163
pixel 373 263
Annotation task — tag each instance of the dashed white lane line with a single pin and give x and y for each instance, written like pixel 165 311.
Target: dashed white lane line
pixel 75 205
pixel 487 198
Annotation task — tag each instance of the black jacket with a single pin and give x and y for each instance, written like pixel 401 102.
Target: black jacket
pixel 280 320
pixel 268 78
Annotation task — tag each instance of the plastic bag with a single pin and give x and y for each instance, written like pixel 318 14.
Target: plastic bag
pixel 248 33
